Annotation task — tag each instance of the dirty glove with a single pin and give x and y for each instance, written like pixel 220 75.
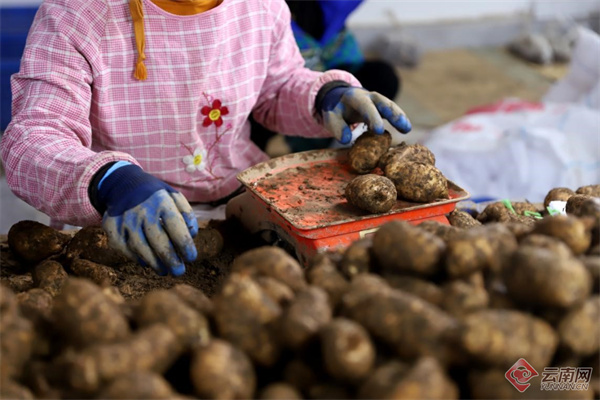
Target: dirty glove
pixel 342 105
pixel 146 219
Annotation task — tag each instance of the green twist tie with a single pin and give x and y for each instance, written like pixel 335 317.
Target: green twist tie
pixel 509 205
pixel 532 214
pixel 552 211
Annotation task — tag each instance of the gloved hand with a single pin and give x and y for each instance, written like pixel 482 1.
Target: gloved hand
pixel 343 106
pixel 146 219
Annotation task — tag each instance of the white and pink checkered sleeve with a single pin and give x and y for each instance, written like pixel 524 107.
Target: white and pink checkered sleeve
pixel 286 102
pixel 46 149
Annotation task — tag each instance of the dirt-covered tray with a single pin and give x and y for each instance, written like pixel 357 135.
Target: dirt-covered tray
pixel 307 190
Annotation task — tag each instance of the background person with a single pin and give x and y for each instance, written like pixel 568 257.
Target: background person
pixel 325 43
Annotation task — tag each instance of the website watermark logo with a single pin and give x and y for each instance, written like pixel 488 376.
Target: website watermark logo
pixel 566 378
pixel 520 374
pixel 553 378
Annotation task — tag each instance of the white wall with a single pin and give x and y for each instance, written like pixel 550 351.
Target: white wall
pixel 20 3
pixel 393 12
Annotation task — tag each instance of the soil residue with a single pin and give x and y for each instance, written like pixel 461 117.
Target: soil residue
pixel 133 280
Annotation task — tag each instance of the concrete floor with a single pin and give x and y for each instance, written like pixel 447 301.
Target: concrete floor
pixel 445 85
pixel 448 83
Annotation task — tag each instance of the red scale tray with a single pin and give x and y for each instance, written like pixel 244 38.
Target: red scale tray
pixel 301 197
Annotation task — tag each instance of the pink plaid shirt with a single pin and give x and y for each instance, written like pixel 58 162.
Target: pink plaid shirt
pixel 77 106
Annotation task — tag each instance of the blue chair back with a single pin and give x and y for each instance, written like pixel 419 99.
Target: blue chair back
pixel 14 27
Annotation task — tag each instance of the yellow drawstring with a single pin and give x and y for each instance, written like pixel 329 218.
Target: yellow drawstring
pixel 137 14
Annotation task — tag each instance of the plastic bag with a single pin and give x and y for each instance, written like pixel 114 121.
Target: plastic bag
pixel 517 149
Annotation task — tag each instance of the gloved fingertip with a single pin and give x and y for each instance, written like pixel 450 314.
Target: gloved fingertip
pixel 178 270
pixel 193 228
pixel 403 124
pixel 160 268
pixel 346 135
pixel 191 223
pixel 379 129
pixel 142 262
pixel 191 253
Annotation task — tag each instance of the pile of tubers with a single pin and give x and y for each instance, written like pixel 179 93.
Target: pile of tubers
pixel 428 311
pixel 409 173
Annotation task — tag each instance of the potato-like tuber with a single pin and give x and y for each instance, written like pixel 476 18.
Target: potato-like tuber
pixel 361 288
pixel 468 253
pixel 499 337
pixel 299 374
pixel 417 182
pixel 498 212
pixel 570 230
pixel 382 382
pixel 10 389
pixel 222 371
pixel 138 385
pixel 324 274
pixel 581 205
pixel 373 193
pixel 443 231
pixel 331 390
pixel 519 229
pixel 16 345
pixel 367 150
pixel 592 264
pixel 479 248
pixel 50 276
pixel 409 325
pixel 462 298
pixel 553 244
pixel 306 315
pixel 91 243
pixel 97 273
pixel 558 194
pixel 278 291
pixel 403 248
pixel 407 152
pixel 209 242
pixel 83 314
pixel 279 391
pixel 194 298
pixel 244 315
pixel 164 306
pixel 579 330
pixel 536 276
pixel 590 190
pixel 35 304
pixel 462 219
pixel 357 258
pixel 153 348
pixel 34 242
pixel 426 379
pixel 271 261
pixel 347 349
pixel 419 287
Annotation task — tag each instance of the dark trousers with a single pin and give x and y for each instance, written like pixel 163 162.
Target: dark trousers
pixel 375 76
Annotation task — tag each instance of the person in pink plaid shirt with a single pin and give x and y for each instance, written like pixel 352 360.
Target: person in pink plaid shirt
pixel 124 111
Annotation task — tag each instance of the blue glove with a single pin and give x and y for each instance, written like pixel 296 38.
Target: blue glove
pixel 146 219
pixel 343 106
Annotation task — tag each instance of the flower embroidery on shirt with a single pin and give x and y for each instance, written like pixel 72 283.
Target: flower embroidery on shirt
pixel 196 161
pixel 214 113
pixel 205 158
